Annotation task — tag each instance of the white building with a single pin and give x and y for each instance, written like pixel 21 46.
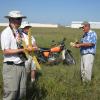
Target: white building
pixel 36 25
pixel 77 24
pixel 44 25
pixel 4 24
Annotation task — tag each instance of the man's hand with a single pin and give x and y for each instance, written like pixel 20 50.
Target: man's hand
pixel 35 48
pixel 29 49
pixel 77 46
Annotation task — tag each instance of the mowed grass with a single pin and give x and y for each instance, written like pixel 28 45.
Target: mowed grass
pixel 62 82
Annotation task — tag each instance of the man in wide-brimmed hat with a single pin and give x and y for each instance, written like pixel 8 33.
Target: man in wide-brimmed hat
pixel 14 74
pixel 87 49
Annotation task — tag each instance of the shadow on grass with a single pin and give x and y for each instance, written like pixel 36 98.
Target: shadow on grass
pixel 34 91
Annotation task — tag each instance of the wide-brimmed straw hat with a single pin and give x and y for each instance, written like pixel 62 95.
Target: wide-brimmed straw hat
pixel 15 14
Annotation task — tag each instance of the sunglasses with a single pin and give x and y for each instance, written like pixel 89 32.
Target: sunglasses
pixel 18 19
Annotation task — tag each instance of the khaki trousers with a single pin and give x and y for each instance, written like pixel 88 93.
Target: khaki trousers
pixel 86 66
pixel 14 82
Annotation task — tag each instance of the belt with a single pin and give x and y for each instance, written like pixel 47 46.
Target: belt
pixel 88 53
pixel 12 63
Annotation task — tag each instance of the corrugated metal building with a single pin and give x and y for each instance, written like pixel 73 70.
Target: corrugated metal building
pixel 77 24
pixel 36 25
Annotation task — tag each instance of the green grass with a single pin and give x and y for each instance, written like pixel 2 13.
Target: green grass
pixel 62 82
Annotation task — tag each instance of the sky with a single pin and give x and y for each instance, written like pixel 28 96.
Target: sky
pixel 53 11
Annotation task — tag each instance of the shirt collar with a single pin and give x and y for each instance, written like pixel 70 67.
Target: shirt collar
pixel 88 32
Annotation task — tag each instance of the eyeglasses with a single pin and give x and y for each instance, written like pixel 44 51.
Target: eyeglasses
pixel 17 18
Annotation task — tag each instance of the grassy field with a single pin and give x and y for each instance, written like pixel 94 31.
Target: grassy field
pixel 62 82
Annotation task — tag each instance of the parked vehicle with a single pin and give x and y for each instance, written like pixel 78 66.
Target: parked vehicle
pixel 58 52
